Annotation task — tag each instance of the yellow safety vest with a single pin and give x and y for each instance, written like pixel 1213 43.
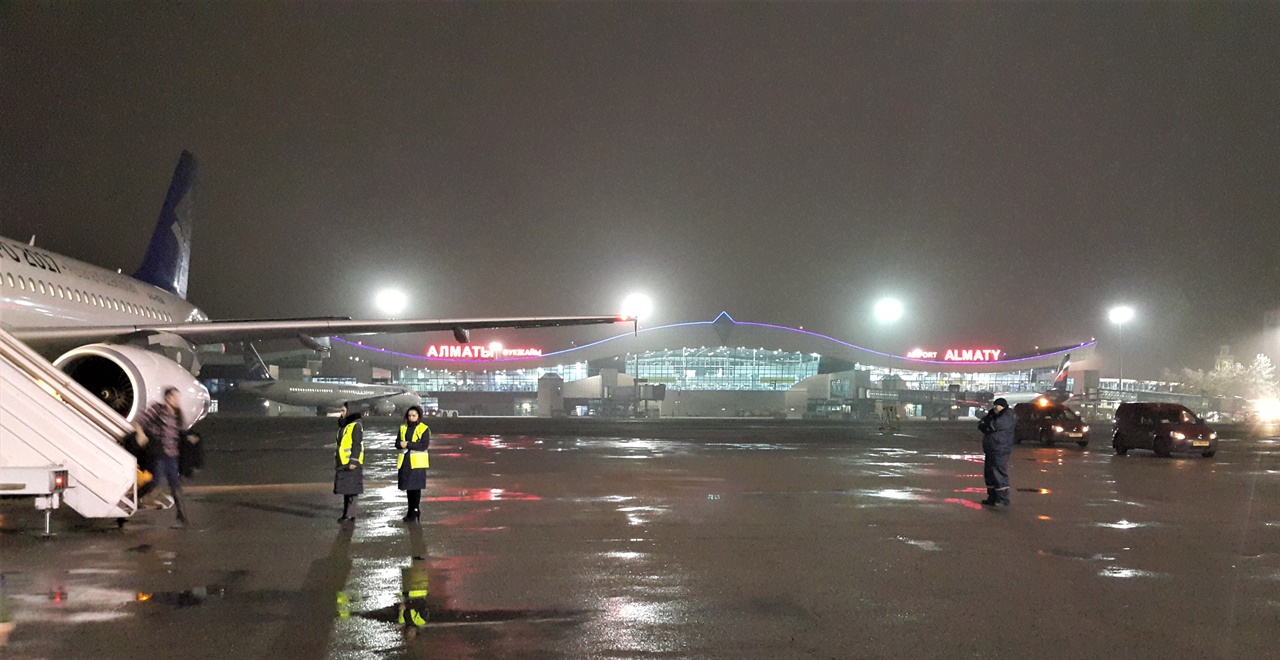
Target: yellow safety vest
pixel 417 459
pixel 344 445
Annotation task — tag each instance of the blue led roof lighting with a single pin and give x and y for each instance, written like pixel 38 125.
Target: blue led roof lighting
pixel 712 322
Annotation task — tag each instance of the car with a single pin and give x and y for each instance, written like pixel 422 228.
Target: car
pixel 1049 423
pixel 1164 428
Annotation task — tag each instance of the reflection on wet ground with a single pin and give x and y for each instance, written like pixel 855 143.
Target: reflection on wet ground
pixel 553 546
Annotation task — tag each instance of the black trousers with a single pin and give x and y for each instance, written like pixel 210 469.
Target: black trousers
pixel 415 499
pixel 995 470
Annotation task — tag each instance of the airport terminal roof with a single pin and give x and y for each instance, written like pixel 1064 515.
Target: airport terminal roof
pixel 725 331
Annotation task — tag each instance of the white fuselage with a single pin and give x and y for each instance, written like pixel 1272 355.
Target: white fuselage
pixel 39 289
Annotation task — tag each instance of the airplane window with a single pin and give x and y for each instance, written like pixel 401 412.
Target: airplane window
pixel 9 277
pixel 31 284
pixel 60 291
pixel 41 284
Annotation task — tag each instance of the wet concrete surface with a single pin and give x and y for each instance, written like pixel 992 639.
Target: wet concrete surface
pixel 737 540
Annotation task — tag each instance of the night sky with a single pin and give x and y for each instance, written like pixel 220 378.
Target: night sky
pixel 1009 171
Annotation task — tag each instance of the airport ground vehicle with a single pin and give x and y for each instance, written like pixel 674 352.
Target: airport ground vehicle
pixel 1164 428
pixel 1049 423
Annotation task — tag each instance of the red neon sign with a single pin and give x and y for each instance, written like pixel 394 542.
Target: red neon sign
pixel 468 352
pixel 958 354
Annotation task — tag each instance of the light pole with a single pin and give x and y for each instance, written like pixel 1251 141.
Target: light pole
pixel 887 312
pixel 1119 316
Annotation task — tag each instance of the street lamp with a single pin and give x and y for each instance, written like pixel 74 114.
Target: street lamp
pixel 888 310
pixel 391 301
pixel 637 306
pixel 1119 316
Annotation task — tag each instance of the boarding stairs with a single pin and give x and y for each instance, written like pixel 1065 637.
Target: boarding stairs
pixel 47 420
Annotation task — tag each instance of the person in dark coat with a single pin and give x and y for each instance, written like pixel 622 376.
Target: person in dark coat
pixel 160 425
pixel 348 457
pixel 997 444
pixel 412 464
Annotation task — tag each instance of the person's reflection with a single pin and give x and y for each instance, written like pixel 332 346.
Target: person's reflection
pixel 414 587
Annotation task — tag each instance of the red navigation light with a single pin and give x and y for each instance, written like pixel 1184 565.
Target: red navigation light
pixel 59 480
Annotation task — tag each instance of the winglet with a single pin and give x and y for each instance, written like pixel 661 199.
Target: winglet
pixel 168 259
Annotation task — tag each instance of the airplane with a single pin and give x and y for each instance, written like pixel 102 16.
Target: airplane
pixel 1056 394
pixel 382 399
pixel 127 338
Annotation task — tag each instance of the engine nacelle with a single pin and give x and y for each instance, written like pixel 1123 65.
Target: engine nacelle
pixel 131 379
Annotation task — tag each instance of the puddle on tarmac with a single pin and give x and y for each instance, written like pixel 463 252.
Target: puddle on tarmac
pixel 1069 554
pixel 1127 573
pixel 923 545
pixel 188 598
pixel 1124 524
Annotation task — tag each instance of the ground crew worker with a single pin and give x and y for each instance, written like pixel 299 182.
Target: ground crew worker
pixel 997 443
pixel 412 463
pixel 348 476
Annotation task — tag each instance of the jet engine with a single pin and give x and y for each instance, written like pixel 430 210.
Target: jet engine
pixel 384 407
pixel 131 379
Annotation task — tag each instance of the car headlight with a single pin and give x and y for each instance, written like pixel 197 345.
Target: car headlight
pixel 1213 436
pixel 1177 436
pixel 1057 429
pixel 1084 429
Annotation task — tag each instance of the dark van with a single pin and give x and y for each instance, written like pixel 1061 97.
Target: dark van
pixel 1163 428
pixel 1049 423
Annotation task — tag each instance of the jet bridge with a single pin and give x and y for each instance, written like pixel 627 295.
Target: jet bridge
pixel 51 426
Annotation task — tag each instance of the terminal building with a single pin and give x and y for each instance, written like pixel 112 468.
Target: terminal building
pixel 721 367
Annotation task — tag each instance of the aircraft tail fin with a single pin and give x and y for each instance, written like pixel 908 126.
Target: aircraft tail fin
pixel 254 365
pixel 168 259
pixel 1060 381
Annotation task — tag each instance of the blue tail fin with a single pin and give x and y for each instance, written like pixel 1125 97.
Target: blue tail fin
pixel 168 258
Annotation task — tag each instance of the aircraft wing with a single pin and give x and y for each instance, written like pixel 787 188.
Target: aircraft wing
pixel 215 332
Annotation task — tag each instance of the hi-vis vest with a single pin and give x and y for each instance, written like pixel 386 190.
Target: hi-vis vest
pixel 344 445
pixel 417 459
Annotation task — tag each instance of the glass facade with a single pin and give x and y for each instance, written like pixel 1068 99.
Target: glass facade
pixel 515 380
pixel 738 369
pixel 1026 380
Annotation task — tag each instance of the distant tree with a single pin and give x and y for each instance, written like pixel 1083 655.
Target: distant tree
pixel 1254 381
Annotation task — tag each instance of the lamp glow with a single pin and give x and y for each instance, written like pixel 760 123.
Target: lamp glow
pixel 391 301
pixel 888 310
pixel 637 306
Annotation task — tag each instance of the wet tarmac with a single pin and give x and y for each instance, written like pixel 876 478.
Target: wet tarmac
pixel 737 540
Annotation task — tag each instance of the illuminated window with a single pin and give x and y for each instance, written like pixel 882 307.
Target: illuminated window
pixel 61 292
pixel 40 283
pixel 9 278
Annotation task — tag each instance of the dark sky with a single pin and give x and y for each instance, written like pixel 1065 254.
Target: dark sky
pixel 1008 170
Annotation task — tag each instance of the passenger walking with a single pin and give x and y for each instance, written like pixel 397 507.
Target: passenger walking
pixel 348 476
pixel 997 443
pixel 162 423
pixel 412 464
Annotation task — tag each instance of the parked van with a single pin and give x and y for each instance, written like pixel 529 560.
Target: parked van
pixel 1163 428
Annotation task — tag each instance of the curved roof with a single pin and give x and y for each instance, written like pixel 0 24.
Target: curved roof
pixel 724 331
